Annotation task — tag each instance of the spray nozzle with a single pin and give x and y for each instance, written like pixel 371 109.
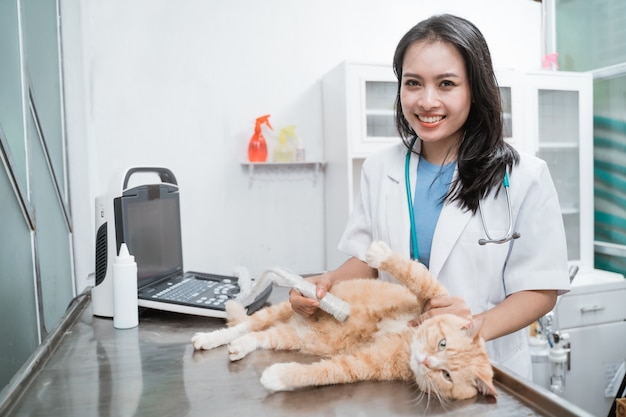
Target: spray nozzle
pixel 286 133
pixel 262 120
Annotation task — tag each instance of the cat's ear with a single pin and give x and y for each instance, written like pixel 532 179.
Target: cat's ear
pixel 484 385
pixel 472 327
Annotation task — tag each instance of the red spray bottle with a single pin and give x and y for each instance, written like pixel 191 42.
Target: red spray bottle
pixel 257 149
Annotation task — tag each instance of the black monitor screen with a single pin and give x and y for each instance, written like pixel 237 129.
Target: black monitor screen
pixel 147 219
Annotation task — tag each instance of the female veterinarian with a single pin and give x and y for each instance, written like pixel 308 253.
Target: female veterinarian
pixel 482 217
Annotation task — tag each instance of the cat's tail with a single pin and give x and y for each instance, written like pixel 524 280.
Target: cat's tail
pixel 235 313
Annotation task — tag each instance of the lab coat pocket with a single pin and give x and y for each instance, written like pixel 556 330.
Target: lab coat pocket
pixel 488 257
pixel 482 268
pixel 512 352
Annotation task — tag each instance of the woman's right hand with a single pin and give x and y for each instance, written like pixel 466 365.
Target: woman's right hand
pixel 304 306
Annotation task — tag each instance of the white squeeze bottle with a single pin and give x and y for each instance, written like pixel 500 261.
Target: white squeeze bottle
pixel 125 308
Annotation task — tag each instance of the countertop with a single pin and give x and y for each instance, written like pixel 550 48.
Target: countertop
pixel 153 370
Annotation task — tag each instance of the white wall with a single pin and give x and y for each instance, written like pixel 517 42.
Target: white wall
pixel 179 83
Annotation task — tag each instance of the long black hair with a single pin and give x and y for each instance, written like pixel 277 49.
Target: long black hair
pixel 483 156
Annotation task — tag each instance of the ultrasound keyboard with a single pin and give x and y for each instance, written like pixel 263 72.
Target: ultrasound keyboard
pixel 203 291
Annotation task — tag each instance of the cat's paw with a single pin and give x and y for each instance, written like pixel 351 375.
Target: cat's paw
pixel 205 341
pixel 377 253
pixel 240 347
pixel 273 378
pixel 210 340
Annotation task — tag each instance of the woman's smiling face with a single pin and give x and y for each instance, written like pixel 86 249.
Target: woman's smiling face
pixel 435 93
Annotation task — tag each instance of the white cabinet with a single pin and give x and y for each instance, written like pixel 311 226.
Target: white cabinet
pixel 548 113
pixel 358 119
pixel 593 314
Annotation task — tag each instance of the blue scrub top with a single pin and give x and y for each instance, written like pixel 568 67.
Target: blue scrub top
pixel 433 182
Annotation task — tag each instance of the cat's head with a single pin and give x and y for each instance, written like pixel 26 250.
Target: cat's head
pixel 449 359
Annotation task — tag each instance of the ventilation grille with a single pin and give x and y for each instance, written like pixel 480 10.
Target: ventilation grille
pixel 101 254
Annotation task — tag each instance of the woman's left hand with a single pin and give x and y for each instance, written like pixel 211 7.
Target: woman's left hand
pixel 443 305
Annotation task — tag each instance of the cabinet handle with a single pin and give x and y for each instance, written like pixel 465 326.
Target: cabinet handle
pixel 591 309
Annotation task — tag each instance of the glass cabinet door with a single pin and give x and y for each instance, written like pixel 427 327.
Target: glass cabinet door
pixel 562 111
pixel 379 109
pixel 511 96
pixel 559 136
pixel 507 112
pixel 373 87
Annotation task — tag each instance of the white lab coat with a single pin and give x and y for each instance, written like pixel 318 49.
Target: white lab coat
pixel 482 275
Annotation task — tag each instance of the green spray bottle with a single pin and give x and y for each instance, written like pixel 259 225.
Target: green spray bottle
pixel 284 151
pixel 257 148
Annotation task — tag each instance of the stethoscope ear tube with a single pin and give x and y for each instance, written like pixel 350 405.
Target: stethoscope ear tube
pixel 409 198
pixel 508 236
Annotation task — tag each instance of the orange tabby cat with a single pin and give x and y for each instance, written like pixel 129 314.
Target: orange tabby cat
pixel 445 355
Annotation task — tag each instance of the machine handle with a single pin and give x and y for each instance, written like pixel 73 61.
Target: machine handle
pixel 165 174
pixel 591 309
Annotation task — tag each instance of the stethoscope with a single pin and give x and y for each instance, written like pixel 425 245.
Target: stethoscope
pixel 508 236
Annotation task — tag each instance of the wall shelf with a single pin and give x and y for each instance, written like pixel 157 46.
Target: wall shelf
pixel 289 171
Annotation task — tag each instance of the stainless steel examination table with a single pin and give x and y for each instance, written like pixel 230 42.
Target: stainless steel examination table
pixel 92 369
